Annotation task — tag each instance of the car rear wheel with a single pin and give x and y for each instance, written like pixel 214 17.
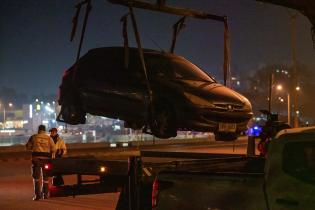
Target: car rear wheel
pixel 162 122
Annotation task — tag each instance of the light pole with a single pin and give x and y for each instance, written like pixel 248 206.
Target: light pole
pixel 279 87
pixel 270 91
pixel 3 117
pixel 295 69
pixel 289 109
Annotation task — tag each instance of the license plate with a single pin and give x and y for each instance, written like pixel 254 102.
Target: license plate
pixel 227 127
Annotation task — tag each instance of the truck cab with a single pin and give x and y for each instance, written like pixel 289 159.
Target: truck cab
pixel 290 170
pixel 285 181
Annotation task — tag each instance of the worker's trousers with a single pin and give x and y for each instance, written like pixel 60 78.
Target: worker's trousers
pixel 40 186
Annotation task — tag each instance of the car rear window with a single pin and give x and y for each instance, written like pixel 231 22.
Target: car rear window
pixel 299 160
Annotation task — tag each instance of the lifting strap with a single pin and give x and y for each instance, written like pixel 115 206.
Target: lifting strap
pixel 124 20
pixel 227 53
pixel 137 35
pixel 177 27
pixel 74 27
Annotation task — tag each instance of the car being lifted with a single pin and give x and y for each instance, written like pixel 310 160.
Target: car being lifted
pixel 183 96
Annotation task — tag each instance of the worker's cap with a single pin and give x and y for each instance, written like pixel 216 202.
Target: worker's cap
pixel 53 129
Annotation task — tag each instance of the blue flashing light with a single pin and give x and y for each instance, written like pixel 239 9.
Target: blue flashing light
pixel 254 131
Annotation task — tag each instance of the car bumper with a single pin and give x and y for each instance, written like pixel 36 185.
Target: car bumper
pixel 207 120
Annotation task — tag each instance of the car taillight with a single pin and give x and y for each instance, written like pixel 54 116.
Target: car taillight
pixel 47 166
pixel 155 191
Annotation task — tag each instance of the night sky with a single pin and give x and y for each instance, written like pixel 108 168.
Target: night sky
pixel 35 47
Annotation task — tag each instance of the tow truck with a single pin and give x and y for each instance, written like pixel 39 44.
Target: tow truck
pixel 287 186
pixel 132 177
pixel 283 179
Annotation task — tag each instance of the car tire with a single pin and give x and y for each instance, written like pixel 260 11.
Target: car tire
pixel 162 121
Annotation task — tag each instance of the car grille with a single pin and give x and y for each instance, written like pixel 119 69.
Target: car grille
pixel 228 107
pixel 227 113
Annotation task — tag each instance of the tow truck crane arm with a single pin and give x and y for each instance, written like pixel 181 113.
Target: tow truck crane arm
pixel 160 6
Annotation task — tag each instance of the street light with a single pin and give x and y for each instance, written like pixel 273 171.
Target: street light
pixel 4 113
pixel 279 87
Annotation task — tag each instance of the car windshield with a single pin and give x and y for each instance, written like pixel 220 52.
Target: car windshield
pixel 176 67
pixel 186 70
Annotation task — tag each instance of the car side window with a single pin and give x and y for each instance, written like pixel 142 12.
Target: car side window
pixel 94 68
pixel 159 66
pixel 299 161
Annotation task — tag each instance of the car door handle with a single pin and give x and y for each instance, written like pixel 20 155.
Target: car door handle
pixel 288 202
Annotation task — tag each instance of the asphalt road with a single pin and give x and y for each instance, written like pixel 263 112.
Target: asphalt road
pixel 16 183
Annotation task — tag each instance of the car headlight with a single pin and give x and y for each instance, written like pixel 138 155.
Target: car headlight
pixel 198 100
pixel 247 105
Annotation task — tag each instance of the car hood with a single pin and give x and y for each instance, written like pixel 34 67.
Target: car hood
pixel 218 94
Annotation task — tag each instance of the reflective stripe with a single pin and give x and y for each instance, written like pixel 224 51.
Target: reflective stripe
pixel 46 181
pixel 36 180
pixel 147 171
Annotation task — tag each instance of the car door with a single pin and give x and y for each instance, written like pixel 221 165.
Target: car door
pixel 108 88
pixel 130 93
pixel 292 185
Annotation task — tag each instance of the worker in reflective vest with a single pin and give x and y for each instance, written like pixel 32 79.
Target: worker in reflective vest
pixel 42 147
pixel 61 150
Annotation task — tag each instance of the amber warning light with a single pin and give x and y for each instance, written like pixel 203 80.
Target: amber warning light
pixel 103 169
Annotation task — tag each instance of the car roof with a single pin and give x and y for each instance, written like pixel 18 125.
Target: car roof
pixel 98 59
pixel 310 129
pixel 132 50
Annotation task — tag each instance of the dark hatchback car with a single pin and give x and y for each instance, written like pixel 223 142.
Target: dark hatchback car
pixel 183 97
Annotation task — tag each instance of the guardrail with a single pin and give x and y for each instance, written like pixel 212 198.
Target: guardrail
pixel 19 152
pixel 119 142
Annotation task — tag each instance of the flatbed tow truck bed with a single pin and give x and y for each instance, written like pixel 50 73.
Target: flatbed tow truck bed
pixel 134 177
